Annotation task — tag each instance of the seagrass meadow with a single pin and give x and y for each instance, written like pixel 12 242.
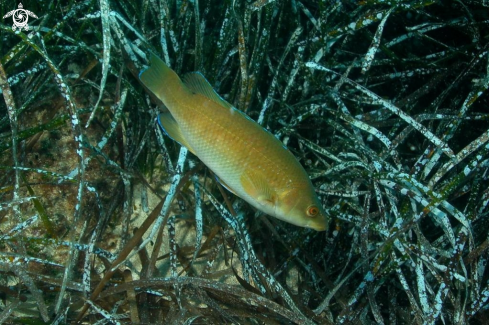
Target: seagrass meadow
pixel 105 220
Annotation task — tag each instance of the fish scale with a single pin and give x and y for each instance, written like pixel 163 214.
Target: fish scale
pixel 220 141
pixel 246 158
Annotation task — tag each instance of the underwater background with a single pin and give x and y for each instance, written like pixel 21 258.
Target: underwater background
pixel 103 219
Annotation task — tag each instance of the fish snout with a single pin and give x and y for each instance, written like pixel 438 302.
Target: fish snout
pixel 318 225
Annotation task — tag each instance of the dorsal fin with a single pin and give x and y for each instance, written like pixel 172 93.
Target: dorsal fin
pixel 170 127
pixel 197 83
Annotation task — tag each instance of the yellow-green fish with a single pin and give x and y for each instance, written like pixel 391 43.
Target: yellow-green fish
pixel 247 159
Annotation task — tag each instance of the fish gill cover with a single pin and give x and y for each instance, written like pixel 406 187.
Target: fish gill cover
pixel 105 220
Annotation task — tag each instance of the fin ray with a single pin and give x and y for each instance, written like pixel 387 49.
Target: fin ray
pixel 197 83
pixel 157 77
pixel 226 186
pixel 170 126
pixel 257 186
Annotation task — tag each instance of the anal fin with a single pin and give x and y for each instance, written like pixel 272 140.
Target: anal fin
pixel 169 126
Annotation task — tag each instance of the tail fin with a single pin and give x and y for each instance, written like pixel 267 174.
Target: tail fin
pixel 159 78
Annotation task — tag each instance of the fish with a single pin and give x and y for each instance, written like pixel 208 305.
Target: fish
pixel 247 159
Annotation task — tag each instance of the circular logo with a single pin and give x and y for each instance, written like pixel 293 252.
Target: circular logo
pixel 20 18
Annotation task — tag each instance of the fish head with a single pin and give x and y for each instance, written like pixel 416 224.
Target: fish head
pixel 301 207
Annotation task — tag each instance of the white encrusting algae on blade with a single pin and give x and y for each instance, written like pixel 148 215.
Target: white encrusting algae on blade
pixel 246 158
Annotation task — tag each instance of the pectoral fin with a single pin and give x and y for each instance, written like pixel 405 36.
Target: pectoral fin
pixel 170 127
pixel 256 185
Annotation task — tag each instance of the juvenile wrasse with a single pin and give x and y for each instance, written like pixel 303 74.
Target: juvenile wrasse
pixel 247 159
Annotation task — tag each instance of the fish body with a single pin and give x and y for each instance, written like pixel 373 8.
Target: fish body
pixel 247 159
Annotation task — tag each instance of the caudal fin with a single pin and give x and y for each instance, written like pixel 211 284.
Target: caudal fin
pixel 159 78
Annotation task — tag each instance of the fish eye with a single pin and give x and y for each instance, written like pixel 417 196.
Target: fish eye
pixel 312 211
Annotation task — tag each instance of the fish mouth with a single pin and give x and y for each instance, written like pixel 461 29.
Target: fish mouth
pixel 322 228
pixel 318 227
